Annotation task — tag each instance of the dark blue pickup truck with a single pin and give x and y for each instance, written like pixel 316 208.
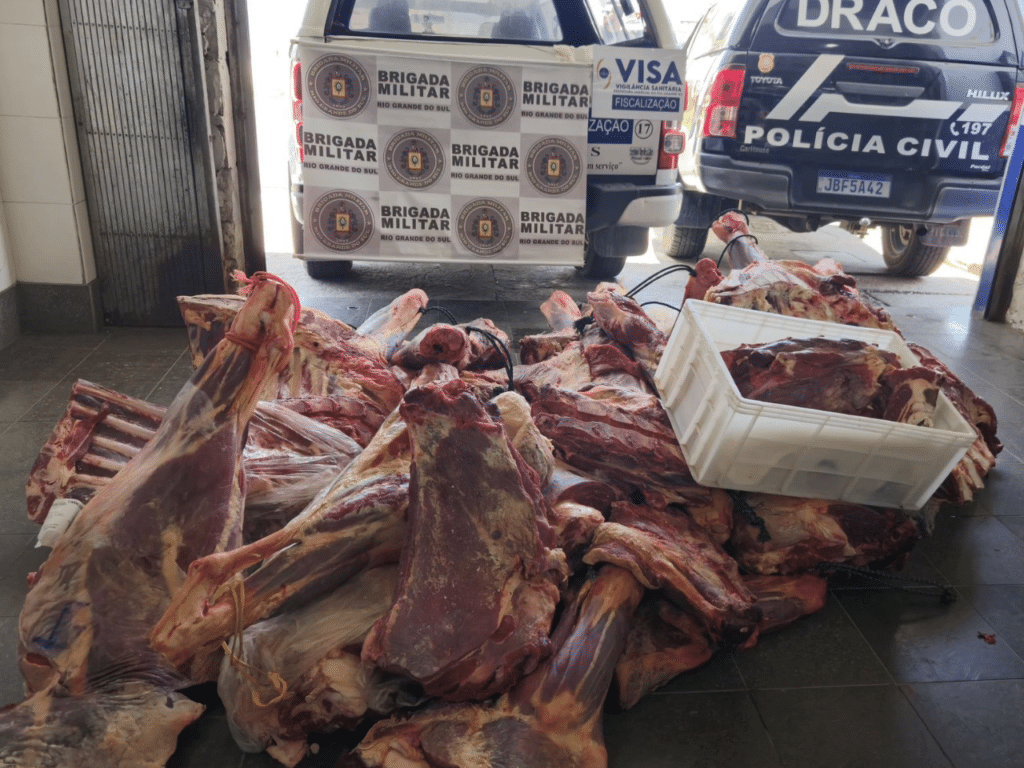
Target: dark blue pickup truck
pixel 895 113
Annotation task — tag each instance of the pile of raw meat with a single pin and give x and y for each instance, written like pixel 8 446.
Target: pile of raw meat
pixel 836 375
pixel 348 526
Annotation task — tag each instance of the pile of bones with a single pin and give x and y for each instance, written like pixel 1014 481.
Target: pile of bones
pixel 348 527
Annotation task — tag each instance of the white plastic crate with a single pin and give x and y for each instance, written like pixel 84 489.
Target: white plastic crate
pixel 732 442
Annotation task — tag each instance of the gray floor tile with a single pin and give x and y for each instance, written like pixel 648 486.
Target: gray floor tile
pixel 173 380
pixel 975 550
pixel 12 689
pixel 54 402
pixel 349 311
pixel 863 726
pixel 978 725
pixel 720 673
pixel 19 448
pixel 23 361
pixel 207 741
pixel 18 397
pixel 1002 606
pixel 1003 493
pixel 133 376
pixel 11 547
pixel 12 596
pixel 145 342
pixel 825 648
pixel 920 640
pixel 690 729
pixel 1015 523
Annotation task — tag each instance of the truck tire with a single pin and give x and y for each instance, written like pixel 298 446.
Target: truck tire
pixel 599 267
pixel 328 270
pixel 905 255
pixel 686 243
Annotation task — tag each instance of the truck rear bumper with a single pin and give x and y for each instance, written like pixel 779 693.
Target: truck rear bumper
pixel 770 187
pixel 611 204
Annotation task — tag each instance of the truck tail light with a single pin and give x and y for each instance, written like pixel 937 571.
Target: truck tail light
pixel 1011 128
pixel 672 141
pixel 297 107
pixel 724 103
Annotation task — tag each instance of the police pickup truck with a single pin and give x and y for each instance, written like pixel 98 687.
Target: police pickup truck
pixel 896 113
pixel 472 130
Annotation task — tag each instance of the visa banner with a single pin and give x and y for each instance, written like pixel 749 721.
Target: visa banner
pixel 638 83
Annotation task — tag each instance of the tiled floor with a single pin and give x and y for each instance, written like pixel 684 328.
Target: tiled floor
pixel 878 679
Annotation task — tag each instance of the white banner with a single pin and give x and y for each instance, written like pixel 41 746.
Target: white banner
pixel 638 83
pixel 426 160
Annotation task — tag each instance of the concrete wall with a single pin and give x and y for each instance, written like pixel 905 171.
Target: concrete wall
pixel 48 241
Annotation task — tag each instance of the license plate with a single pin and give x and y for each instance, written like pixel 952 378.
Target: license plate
pixel 858 184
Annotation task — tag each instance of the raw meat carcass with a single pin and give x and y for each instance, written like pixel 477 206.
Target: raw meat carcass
pixel 785 599
pixel 288 457
pixel 100 691
pixel 136 726
pixel 566 484
pixel 463 346
pixel 538 347
pixel 480 577
pixel 625 322
pixel 330 358
pixel 706 276
pixel 389 325
pixel 665 550
pixel 300 672
pixel 967 476
pixel 620 436
pixel 561 311
pixel 524 435
pixel 837 375
pixel 664 641
pixel 821 292
pixel 551 719
pixel 357 523
pixel 590 359
pixel 804 533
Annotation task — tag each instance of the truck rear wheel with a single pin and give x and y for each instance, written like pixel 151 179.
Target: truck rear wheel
pixel 598 267
pixel 686 243
pixel 905 255
pixel 328 270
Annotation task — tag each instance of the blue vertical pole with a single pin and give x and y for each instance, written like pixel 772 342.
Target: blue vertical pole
pixel 1005 212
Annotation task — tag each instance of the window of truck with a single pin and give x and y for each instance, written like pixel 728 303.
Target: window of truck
pixel 618 21
pixel 511 20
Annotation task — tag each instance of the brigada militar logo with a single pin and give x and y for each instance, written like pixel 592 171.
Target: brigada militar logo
pixel 486 96
pixel 485 227
pixel 338 85
pixel 553 166
pixel 414 159
pixel 342 221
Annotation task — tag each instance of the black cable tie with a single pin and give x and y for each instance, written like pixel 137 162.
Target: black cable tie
pixel 739 502
pixel 442 310
pixel 734 210
pixel 729 245
pixel 658 275
pixel 581 324
pixel 947 594
pixel 663 304
pixel 503 352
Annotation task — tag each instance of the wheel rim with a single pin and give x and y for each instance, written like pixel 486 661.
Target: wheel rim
pixel 900 236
